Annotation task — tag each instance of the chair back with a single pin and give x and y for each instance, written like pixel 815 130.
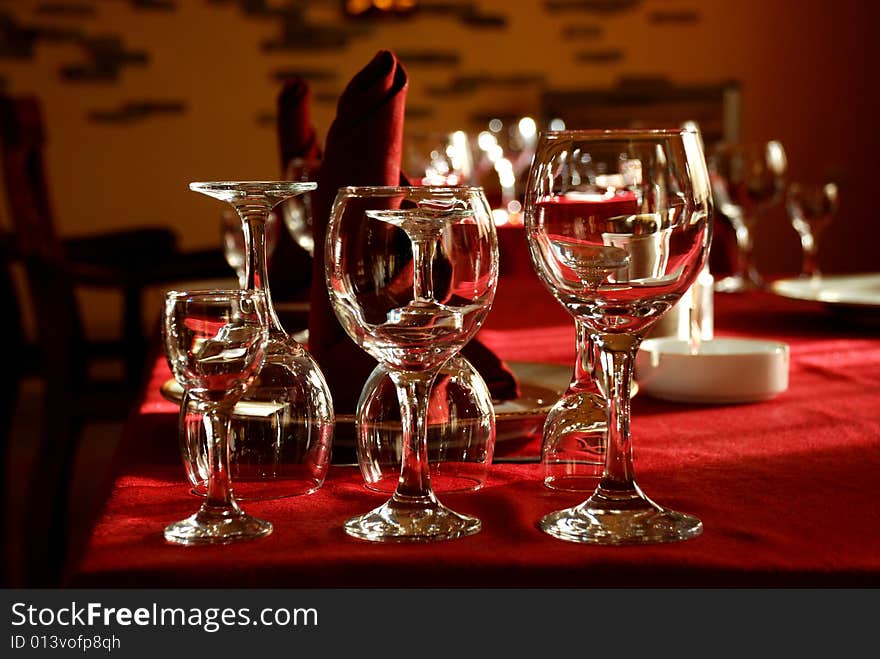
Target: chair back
pixel 52 295
pixel 22 137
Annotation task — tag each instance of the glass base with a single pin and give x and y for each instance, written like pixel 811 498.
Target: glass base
pixel 441 483
pixel 572 482
pixel 264 489
pixel 620 519
pixel 213 527
pixel 414 520
pixel 569 472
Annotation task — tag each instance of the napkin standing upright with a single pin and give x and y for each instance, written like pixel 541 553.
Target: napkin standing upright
pixel 363 147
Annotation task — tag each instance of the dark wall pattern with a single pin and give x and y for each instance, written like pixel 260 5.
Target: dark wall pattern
pixel 106 57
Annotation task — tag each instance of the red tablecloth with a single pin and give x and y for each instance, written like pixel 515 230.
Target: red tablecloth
pixel 787 489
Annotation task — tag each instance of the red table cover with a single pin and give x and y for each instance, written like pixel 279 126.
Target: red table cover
pixel 787 489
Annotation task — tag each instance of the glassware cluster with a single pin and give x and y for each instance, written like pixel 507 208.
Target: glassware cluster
pixel 411 273
pixel 281 431
pixel 618 223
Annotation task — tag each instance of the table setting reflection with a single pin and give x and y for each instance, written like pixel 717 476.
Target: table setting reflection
pixel 444 420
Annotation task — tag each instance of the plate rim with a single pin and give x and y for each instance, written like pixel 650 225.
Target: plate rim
pixel 168 391
pixel 778 287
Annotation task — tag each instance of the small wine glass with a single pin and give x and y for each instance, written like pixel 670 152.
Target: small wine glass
pixel 618 274
pixel 747 179
pixel 811 208
pixel 215 343
pixel 411 273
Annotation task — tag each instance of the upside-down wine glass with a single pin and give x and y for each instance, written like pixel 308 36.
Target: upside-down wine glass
pixel 747 179
pixel 811 207
pixel 411 273
pixel 215 342
pixel 574 434
pixel 619 274
pixel 281 431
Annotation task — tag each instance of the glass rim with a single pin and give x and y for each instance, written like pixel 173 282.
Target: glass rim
pixel 404 189
pixel 210 293
pixel 623 133
pixel 231 185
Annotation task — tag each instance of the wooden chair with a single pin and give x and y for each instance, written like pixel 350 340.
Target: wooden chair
pixel 127 261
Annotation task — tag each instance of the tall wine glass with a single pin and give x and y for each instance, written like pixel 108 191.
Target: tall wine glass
pixel 411 273
pixel 281 432
pixel 811 207
pixel 215 342
pixel 747 179
pixel 619 274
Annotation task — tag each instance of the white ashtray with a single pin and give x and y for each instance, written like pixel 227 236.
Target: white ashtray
pixel 725 370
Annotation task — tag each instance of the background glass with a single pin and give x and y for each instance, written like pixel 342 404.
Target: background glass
pixel 747 179
pixel 811 208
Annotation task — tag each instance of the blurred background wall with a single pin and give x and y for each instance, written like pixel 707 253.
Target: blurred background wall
pixel 143 96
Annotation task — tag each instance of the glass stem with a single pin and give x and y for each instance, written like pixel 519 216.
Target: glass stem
pixel 253 222
pixel 744 244
pixel 810 265
pixel 618 354
pixel 219 496
pixel 584 378
pixel 423 270
pixel 413 389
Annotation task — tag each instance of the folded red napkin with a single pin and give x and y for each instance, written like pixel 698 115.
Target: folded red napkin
pixel 363 147
pixel 296 134
pixel 290 266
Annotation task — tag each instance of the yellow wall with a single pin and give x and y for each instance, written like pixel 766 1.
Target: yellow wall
pixel 807 69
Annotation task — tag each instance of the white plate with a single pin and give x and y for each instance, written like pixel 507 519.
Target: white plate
pixel 862 290
pixel 725 370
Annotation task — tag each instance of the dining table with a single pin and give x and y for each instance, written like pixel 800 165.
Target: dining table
pixel 787 488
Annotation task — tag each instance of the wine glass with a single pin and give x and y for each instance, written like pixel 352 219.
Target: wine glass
pixel 811 208
pixel 747 179
pixel 215 342
pixel 297 211
pixel 460 429
pixel 281 431
pixel 619 274
pixel 411 273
